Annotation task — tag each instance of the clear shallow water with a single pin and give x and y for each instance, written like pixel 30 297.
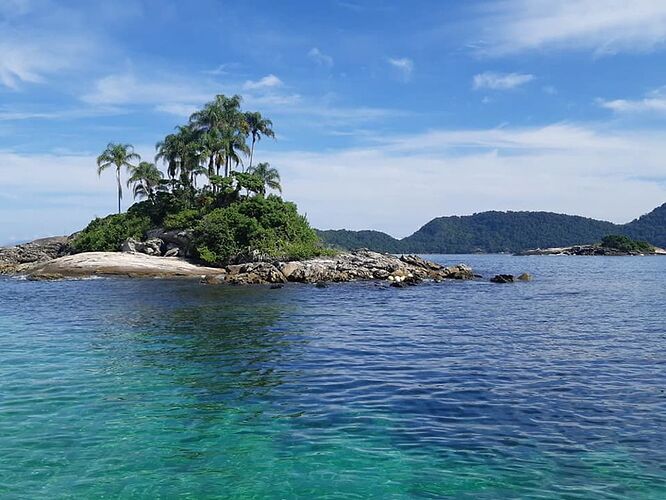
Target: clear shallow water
pixel 548 389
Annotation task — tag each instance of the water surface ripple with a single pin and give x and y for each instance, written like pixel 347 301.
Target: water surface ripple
pixel 147 388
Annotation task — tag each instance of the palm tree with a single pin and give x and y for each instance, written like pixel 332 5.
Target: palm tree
pixel 146 178
pixel 170 151
pixel 117 155
pixel 179 153
pixel 269 175
pixel 257 126
pixel 234 143
pixel 222 128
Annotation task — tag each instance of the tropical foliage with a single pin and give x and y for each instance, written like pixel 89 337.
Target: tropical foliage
pixel 253 230
pixel 117 156
pixel 269 176
pixel 146 179
pixel 626 244
pixel 109 233
pixel 206 190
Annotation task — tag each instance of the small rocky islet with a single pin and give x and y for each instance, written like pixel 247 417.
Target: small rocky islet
pixel 51 258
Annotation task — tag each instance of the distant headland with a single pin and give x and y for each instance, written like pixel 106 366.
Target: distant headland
pixel 503 232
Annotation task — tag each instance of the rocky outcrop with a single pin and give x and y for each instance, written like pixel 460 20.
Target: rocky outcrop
pixel 176 239
pixel 116 264
pixel 41 250
pixel 152 246
pixel 586 250
pixel 157 257
pixel 360 265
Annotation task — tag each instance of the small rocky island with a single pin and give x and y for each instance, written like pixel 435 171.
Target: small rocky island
pixel 209 215
pixel 51 259
pixel 612 245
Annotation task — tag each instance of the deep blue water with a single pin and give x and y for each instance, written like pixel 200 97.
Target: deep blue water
pixel 147 388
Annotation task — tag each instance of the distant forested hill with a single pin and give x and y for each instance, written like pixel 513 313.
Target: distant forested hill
pixel 375 240
pixel 492 232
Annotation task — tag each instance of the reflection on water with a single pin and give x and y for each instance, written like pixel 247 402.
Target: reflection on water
pixel 548 389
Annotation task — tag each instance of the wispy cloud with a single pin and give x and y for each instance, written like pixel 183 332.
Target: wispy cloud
pixel 404 65
pixel 603 26
pixel 29 61
pixel 165 92
pixel 500 81
pixel 562 167
pixel 267 82
pixel 40 39
pixel 653 102
pixel 223 69
pixel 320 58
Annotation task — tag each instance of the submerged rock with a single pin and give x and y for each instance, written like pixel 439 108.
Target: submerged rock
pixel 503 278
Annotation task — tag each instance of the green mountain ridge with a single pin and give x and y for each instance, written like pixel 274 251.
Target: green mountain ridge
pixel 496 232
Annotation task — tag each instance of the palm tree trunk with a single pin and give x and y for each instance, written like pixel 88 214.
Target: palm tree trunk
pixel 120 187
pixel 251 153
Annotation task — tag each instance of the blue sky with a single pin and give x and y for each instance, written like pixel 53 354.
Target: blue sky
pixel 387 113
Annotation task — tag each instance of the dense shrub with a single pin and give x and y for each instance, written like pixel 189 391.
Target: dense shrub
pixel 109 233
pixel 269 227
pixel 185 219
pixel 626 244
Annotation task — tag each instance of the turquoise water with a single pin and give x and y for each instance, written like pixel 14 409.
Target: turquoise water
pixel 147 388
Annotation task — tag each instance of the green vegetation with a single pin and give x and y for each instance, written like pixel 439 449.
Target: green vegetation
pixel 118 156
pixel 207 191
pixel 492 232
pixel 109 233
pixel 352 240
pixel 254 229
pixel 626 244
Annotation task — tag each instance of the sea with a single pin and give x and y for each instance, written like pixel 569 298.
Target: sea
pixel 146 388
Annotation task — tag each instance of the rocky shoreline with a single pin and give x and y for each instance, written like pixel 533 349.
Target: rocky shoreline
pixel 587 250
pixel 51 259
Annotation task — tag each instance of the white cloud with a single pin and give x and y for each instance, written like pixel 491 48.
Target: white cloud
pixel 178 109
pixel 25 115
pixel 404 65
pixel 604 26
pixel 400 183
pixel 40 39
pixel 267 82
pixel 67 188
pixel 223 69
pixel 164 92
pixel 394 184
pixel 127 88
pixel 25 61
pixel 174 95
pixel 653 102
pixel 320 58
pixel 500 81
